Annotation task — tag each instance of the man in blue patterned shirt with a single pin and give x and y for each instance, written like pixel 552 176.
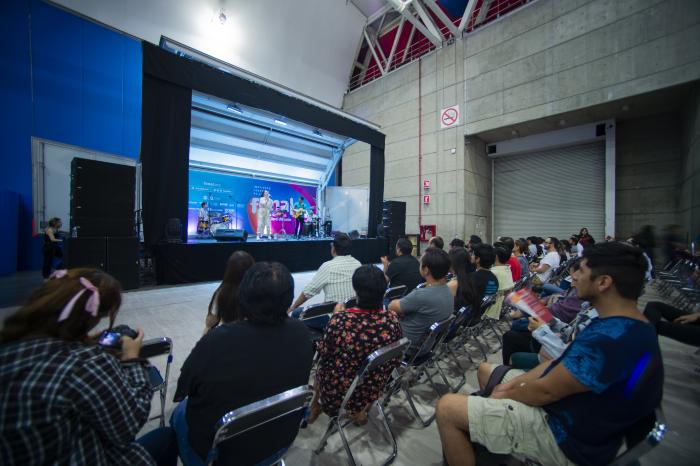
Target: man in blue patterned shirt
pixel 575 409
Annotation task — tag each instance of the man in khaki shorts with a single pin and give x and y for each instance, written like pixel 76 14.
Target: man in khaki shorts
pixel 575 409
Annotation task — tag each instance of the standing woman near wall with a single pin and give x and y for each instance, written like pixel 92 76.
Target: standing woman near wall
pixel 52 246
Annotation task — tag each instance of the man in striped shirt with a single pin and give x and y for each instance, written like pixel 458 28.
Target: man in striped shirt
pixel 334 277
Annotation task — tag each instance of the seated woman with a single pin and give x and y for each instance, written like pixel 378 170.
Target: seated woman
pixel 679 324
pixel 261 354
pixel 223 307
pixel 66 400
pixel 460 266
pixel 505 279
pixel 351 335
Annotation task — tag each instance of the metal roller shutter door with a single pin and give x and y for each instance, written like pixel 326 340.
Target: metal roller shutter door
pixel 550 193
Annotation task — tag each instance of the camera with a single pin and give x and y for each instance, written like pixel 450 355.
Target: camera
pixel 111 338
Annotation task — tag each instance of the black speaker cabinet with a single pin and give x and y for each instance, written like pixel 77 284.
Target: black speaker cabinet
pixel 117 256
pixel 230 234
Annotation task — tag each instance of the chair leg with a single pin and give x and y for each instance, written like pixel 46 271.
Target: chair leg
pixel 346 445
pixel 329 431
pixel 162 405
pixel 392 438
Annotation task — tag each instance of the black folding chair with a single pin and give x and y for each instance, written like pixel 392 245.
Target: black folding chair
pixel 338 423
pixel 257 414
pixel 418 364
pixel 445 350
pixel 152 348
pixel 350 302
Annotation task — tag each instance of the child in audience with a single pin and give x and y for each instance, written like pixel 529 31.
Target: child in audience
pixel 575 409
pixel 66 400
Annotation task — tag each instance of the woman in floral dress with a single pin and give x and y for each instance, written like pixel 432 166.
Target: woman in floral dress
pixel 351 335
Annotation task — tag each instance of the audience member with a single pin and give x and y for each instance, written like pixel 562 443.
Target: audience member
pixel 461 266
pixel 473 241
pixel 223 307
pixel 675 323
pixel 585 239
pixel 549 262
pixel 575 409
pixel 64 399
pixel 52 246
pixel 422 307
pixel 261 354
pixel 532 247
pixel 457 243
pixel 515 267
pixel 501 271
pixel 436 242
pixel 334 277
pixel 480 284
pixel 520 252
pixel 404 269
pixel 352 335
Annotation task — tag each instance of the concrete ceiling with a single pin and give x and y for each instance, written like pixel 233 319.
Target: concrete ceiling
pixel 653 103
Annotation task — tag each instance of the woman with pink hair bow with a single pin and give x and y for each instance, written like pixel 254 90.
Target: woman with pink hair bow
pixel 64 399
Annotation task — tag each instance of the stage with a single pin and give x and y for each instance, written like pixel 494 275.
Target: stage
pixel 201 260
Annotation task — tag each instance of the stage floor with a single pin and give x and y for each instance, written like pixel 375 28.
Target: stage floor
pixel 254 239
pixel 201 260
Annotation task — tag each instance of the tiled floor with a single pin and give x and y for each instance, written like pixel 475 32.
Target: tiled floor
pixel 178 312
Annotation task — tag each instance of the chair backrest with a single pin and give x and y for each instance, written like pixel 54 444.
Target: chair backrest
pixel 641 437
pixel 432 337
pixel 156 347
pixel 395 292
pixel 376 359
pixel 350 302
pixel 315 310
pixel 260 413
pixel 460 318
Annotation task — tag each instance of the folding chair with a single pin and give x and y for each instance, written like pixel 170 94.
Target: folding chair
pixel 350 302
pixel 445 348
pixel 341 420
pixel 395 292
pixel 257 414
pixel 417 364
pixel 151 349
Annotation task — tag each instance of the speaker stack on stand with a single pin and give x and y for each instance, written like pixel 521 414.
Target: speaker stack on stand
pixel 393 223
pixel 102 220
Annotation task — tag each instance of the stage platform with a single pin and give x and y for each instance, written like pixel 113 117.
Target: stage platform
pixel 201 260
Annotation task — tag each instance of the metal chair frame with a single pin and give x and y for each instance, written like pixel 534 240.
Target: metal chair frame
pixel 417 365
pixel 259 413
pixel 395 292
pixel 341 420
pixel 152 348
pixel 350 302
pixel 445 350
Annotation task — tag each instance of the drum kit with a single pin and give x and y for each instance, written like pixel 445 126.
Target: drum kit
pixel 216 221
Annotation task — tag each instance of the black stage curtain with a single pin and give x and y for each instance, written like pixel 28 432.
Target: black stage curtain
pixel 376 189
pixel 165 148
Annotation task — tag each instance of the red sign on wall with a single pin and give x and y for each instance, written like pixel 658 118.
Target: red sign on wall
pixel 426 184
pixel 427 232
pixel 426 199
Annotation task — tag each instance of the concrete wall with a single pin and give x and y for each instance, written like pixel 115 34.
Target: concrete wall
pixel 689 205
pixel 548 58
pixel 648 169
pixel 556 56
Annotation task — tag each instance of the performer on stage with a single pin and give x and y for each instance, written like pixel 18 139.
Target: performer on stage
pixel 264 206
pixel 203 219
pixel 298 214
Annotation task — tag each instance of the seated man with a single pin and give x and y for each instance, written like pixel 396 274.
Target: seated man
pixel 260 355
pixel 404 269
pixel 501 271
pixel 480 284
pixel 573 410
pixel 551 261
pixel 422 307
pixel 436 242
pixel 334 277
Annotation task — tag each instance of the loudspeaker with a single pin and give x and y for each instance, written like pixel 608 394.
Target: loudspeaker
pixel 118 257
pixel 394 219
pixel 230 234
pixel 173 231
pixel 102 198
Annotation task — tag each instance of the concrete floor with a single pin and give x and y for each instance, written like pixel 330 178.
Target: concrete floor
pixel 178 312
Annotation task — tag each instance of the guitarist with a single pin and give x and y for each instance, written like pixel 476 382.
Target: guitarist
pixel 298 213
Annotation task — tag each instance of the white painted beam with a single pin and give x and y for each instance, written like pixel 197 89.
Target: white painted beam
pixel 468 12
pixel 433 5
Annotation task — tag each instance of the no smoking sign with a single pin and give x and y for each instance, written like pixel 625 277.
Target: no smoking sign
pixel 449 117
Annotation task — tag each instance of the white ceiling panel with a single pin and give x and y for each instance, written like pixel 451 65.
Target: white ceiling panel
pixel 306 45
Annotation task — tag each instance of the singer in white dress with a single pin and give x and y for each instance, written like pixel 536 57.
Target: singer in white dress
pixel 264 207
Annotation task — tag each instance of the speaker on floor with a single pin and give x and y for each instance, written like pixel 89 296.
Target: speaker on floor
pixel 85 252
pixel 123 260
pixel 230 234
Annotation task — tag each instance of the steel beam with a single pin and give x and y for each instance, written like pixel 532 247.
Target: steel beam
pixel 468 12
pixel 428 21
pixel 399 30
pixel 374 52
pixel 433 5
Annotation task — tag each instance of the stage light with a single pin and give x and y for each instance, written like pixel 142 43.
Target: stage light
pixel 279 121
pixel 234 108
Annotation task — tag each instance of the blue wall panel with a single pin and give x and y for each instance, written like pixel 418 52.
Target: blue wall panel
pixel 76 83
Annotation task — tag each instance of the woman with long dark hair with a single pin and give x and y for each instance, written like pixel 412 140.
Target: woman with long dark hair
pixel 223 307
pixel 64 399
pixel 461 266
pixel 584 238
